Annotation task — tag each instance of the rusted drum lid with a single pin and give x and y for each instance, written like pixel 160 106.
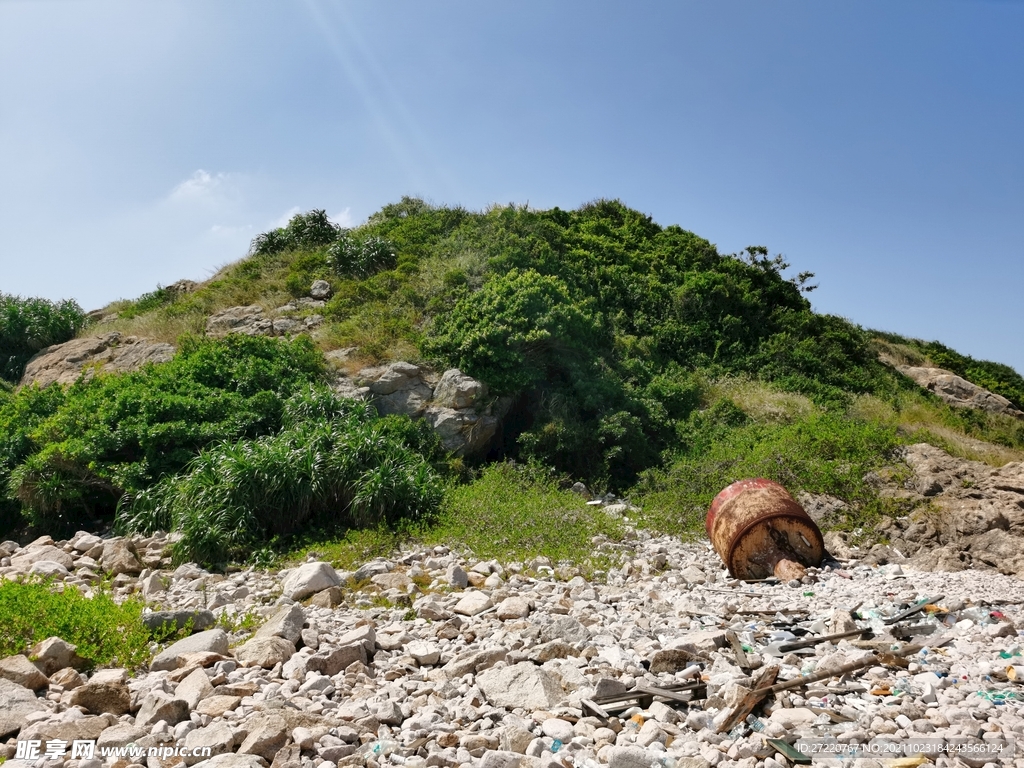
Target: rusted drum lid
pixel 752 523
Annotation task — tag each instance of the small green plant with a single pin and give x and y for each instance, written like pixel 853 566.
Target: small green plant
pixel 249 621
pixel 105 633
pixel 27 325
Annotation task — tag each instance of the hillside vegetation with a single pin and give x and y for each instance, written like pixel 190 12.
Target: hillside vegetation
pixel 638 359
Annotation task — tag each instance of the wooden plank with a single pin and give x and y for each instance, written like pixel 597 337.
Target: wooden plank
pixel 737 648
pixel 750 702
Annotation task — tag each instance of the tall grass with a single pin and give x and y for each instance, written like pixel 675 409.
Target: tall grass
pixel 821 453
pixel 333 463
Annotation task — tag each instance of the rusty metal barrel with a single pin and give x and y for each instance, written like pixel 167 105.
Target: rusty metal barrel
pixel 759 530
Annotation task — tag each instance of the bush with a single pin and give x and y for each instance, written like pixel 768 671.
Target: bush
pixel 29 325
pixel 305 230
pixel 71 455
pixel 106 633
pixel 353 256
pixel 334 464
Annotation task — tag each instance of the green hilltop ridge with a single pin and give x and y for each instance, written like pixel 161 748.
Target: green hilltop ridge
pixel 631 356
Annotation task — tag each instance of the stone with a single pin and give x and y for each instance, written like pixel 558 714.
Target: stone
pixel 425 654
pixel 111 352
pixel 217 705
pixel 100 697
pixel 331 597
pixel 267 734
pixel 249 320
pixel 364 635
pixel 456 390
pixel 27 557
pixel 84 541
pixel 194 688
pixel 120 556
pixel 175 621
pixel 159 706
pixel 497 758
pixel 463 432
pixel 219 738
pixel 77 728
pixel 959 392
pixel 48 569
pixel 67 678
pixel 320 289
pixel 308 579
pixel 53 654
pixel 558 729
pixel 212 640
pixel 472 603
pixel 286 622
pixel 120 735
pixel 232 760
pixel 16 703
pixel 673 660
pixel 264 652
pixel 630 757
pixel 18 669
pixel 565 628
pixel 456 576
pixel 514 607
pixel 520 685
pixel 473 662
pixel 331 662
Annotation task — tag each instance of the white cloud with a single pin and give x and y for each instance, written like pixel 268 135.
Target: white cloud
pixel 344 218
pixel 282 221
pixel 201 186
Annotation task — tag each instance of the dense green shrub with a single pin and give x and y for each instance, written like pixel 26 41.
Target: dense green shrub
pixel 28 325
pixel 333 464
pixel 304 230
pixel 72 454
pixel 361 257
pixel 106 633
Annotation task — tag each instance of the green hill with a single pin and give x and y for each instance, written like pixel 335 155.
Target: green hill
pixel 638 359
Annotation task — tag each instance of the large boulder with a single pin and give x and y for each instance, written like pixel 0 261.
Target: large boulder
pixel 111 352
pixel 18 669
pixel 959 392
pixel 463 432
pixel 456 390
pixel 520 685
pixel 249 320
pixel 308 579
pixel 16 703
pixel 212 640
pixel 397 388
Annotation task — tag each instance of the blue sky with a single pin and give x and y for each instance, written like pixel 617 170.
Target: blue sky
pixel 877 144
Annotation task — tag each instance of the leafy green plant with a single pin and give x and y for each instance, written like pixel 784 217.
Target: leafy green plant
pixel 28 325
pixel 360 256
pixel 106 633
pixel 72 455
pixel 304 230
pixel 333 463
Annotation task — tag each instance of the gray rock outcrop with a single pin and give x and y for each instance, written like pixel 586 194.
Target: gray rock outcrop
pixel 111 352
pixel 959 392
pixel 455 406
